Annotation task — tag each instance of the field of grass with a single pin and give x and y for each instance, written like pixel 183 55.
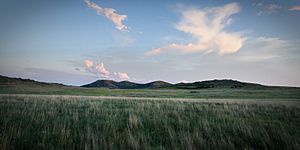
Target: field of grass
pixel 236 93
pixel 88 122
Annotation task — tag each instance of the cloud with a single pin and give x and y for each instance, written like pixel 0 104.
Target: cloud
pixel 110 14
pixel 102 70
pixel 264 48
pixel 266 9
pixel 99 69
pixel 272 8
pixel 88 63
pixel 121 75
pixel 207 27
pixel 295 8
pixel 89 66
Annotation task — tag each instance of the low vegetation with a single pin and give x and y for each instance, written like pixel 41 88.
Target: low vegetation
pixel 78 122
pixel 222 90
pixel 204 115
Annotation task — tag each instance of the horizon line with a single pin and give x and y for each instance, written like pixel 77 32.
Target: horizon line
pixel 151 81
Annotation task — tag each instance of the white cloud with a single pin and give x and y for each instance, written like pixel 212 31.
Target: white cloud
pixel 266 9
pixel 121 75
pixel 264 48
pixel 295 8
pixel 102 70
pixel 207 27
pixel 110 14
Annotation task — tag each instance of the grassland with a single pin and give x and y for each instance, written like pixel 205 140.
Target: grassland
pixel 23 86
pixel 220 93
pixel 89 122
pixel 37 115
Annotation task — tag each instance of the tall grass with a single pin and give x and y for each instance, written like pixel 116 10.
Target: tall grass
pixel 62 122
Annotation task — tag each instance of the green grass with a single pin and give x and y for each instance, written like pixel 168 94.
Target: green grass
pixel 21 86
pixel 50 116
pixel 236 93
pixel 68 122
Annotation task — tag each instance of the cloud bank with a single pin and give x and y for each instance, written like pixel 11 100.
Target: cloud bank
pixel 264 49
pixel 295 8
pixel 99 69
pixel 207 27
pixel 110 14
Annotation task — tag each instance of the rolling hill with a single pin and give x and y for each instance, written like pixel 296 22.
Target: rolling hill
pixel 225 83
pixel 204 89
pixel 8 81
pixel 161 84
pixel 127 85
pixel 110 84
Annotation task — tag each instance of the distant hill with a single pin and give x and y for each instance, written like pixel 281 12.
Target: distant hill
pixel 203 89
pixel 157 84
pixel 209 84
pixel 161 84
pixel 112 84
pixel 225 83
pixel 9 81
pixel 127 85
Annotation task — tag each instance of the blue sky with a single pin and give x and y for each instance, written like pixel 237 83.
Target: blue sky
pixel 76 42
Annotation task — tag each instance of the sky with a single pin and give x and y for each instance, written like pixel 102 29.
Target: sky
pixel 76 42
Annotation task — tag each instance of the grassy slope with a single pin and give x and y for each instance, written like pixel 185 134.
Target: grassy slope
pixel 57 122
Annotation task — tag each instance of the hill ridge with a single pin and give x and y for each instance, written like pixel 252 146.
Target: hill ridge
pixel 215 83
pixel 206 84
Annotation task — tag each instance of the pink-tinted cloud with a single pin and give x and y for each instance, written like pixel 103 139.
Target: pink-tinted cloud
pixel 295 8
pixel 110 14
pixel 121 75
pixel 207 27
pixel 102 70
pixel 99 69
pixel 88 63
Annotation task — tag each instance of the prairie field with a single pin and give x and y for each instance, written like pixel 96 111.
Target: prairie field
pixel 170 75
pixel 102 122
